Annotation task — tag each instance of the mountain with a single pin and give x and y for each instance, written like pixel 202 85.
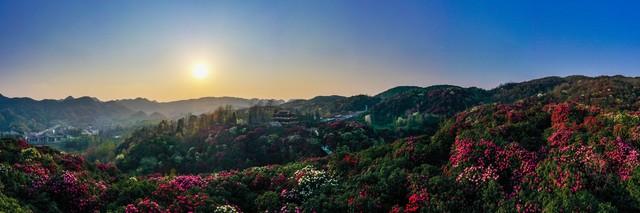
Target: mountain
pixel 26 114
pixel 439 100
pixel 331 104
pixel 555 144
pixel 397 90
pixel 446 100
pixel 175 109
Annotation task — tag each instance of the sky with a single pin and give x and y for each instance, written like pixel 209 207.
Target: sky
pixel 300 49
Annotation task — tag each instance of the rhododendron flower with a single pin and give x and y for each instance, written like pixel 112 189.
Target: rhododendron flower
pixel 477 174
pixel 416 201
pixel 560 137
pixel 624 158
pixel 310 180
pixel 227 209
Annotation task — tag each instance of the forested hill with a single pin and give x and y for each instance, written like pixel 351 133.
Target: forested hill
pixel 26 114
pixel 446 100
pixel 174 109
pixel 547 145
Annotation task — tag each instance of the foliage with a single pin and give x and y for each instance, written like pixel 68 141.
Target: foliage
pixel 557 151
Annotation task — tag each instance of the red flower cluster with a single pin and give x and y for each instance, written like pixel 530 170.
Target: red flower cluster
pixel 623 157
pixel 105 166
pixel 22 144
pixel 171 189
pixel 145 205
pixel 73 162
pixel 39 173
pixel 560 137
pixel 511 112
pixel 350 159
pixel 560 114
pixel 416 201
pixel 71 192
pixel 278 180
pixel 408 148
pixel 188 203
pixel 577 161
pixel 484 161
pixel 183 183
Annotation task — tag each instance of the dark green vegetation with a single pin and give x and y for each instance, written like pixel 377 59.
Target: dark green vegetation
pixel 180 108
pixel 27 115
pixel 553 145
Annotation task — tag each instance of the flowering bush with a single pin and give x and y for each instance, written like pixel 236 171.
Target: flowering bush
pixel 39 174
pixel 73 162
pixel 416 201
pixel 71 193
pixel 477 174
pixel 560 114
pixel 311 181
pixel 177 186
pixel 484 161
pixel 145 205
pixel 227 209
pixel 188 203
pixel 624 158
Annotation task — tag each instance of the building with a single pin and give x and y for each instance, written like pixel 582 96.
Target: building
pixel 11 134
pixel 284 117
pixel 90 131
pixel 51 135
pixel 45 138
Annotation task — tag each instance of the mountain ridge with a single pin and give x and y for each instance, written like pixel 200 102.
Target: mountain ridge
pixel 401 100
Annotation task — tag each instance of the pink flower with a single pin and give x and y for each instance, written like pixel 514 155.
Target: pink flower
pixel 131 209
pixel 623 157
pixel 416 201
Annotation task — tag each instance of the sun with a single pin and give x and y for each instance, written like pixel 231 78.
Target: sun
pixel 200 71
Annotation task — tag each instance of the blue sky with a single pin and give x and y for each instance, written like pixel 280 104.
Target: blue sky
pixel 300 49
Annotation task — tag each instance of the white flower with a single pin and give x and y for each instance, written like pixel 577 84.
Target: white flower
pixel 226 209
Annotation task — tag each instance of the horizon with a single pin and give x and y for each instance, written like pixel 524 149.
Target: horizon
pixel 169 51
pixel 313 96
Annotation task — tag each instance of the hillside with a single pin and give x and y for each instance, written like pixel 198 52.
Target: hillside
pixel 175 109
pixel 25 114
pixel 547 145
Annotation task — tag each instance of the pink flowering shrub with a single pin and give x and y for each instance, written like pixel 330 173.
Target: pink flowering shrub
pixel 560 114
pixel 169 190
pixel 145 205
pixel 174 195
pixel 560 137
pixel 183 183
pixel 72 162
pixel 484 161
pixel 188 203
pixel 623 158
pixel 71 192
pixel 416 202
pixel 39 174
pixel 477 174
pixel 512 112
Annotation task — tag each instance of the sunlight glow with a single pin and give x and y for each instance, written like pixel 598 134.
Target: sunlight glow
pixel 200 71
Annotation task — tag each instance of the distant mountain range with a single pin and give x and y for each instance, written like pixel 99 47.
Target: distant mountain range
pixel 175 109
pixel 446 100
pixel 553 144
pixel 26 114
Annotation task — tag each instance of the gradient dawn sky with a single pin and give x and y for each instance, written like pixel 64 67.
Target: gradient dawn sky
pixel 299 49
